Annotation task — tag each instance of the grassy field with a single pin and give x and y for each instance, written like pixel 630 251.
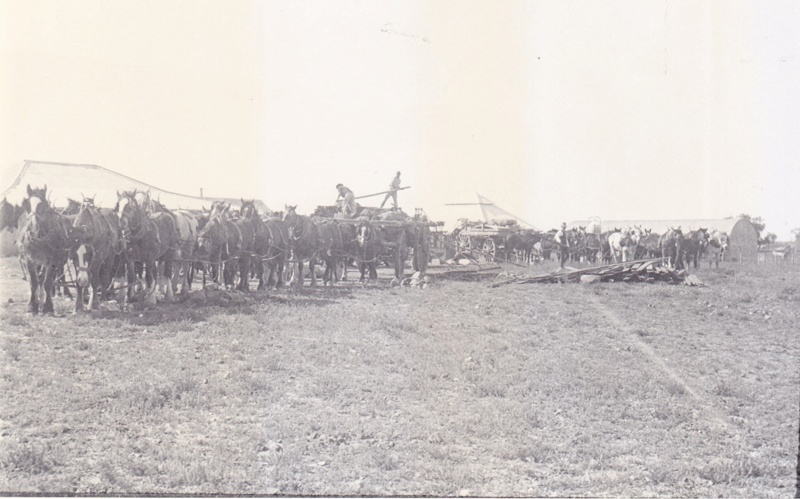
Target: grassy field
pixel 457 389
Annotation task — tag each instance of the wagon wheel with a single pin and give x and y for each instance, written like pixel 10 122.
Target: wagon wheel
pixel 489 250
pixel 463 245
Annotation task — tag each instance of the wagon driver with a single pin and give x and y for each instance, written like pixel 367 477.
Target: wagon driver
pixel 346 200
pixel 393 188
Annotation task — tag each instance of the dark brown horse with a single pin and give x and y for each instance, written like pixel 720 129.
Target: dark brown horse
pixel 370 248
pixel 396 238
pixel 304 243
pixel 694 244
pixel 43 246
pixel 9 215
pixel 521 244
pixel 96 245
pixel 651 244
pixel 590 244
pixel 220 242
pixel 548 245
pixel 270 248
pixel 330 249
pixel 671 243
pixel 150 239
pixel 73 207
pixel 187 226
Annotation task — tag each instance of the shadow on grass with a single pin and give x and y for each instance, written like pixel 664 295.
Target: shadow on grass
pixel 199 306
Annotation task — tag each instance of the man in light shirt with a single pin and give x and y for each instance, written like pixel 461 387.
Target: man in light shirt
pixel 393 188
pixel 348 200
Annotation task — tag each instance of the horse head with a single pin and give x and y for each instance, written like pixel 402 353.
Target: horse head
pixel 289 214
pixel 363 233
pixel 73 207
pixel 248 210
pixel 210 236
pixel 36 202
pixel 127 209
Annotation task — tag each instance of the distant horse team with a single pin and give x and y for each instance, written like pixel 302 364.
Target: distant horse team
pixel 619 245
pixel 141 245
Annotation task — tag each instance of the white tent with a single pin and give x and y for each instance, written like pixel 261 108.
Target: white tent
pixel 74 181
pixel 493 213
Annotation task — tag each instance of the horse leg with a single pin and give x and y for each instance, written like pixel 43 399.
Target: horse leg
pixel 312 263
pixel 49 277
pixel 33 282
pixel 259 268
pixel 244 273
pixel 297 278
pixel 373 271
pixel 279 267
pixel 80 292
pixel 151 283
pixel 170 278
pixel 362 269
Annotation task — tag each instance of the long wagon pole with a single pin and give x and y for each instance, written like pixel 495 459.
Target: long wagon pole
pixel 384 192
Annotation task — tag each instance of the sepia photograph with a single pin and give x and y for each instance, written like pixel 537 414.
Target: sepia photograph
pixel 400 248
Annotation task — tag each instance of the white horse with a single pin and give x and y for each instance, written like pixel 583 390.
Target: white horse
pixel 636 233
pixel 717 246
pixel 621 244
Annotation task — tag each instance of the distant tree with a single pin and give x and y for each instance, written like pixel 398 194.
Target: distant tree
pixel 796 232
pixel 771 238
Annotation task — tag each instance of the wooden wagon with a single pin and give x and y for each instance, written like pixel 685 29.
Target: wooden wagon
pixel 408 237
pixel 482 241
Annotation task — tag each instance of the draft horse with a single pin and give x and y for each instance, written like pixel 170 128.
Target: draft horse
pixel 97 244
pixel 9 215
pixel 671 243
pixel 370 248
pixel 304 242
pixel 269 245
pixel 220 241
pixel 43 245
pixel 150 239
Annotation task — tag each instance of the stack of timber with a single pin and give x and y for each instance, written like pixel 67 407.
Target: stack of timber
pixel 650 270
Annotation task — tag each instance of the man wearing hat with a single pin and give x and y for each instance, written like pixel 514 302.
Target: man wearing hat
pixel 348 200
pixel 393 188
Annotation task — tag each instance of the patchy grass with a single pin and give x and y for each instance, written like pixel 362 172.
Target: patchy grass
pixel 526 390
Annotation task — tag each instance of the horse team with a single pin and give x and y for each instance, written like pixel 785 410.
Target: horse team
pixel 113 250
pixel 619 245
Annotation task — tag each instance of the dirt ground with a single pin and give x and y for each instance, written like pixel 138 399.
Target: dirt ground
pixel 454 390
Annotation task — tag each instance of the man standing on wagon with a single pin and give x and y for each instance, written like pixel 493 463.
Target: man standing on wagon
pixel 393 188
pixel 348 200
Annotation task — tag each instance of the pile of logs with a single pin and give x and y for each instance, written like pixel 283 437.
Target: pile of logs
pixel 650 270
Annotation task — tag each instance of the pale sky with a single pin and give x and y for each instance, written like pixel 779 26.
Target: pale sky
pixel 555 110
